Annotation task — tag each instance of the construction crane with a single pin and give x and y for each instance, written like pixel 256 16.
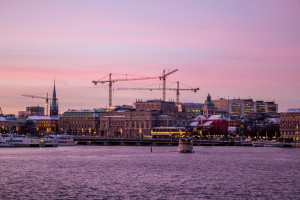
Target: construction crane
pixel 111 81
pixel 163 77
pixel 177 89
pixel 39 97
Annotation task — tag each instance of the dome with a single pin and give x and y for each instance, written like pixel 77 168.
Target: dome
pixel 208 101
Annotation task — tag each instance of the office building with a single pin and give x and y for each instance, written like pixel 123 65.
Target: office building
pixel 34 111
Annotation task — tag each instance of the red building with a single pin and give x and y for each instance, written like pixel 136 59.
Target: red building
pixel 209 123
pixel 213 125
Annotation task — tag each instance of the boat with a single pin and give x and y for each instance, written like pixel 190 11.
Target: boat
pixel 6 141
pixel 185 145
pixel 26 141
pixel 273 143
pixel 49 142
pixel 258 144
pixel 247 142
pixel 64 140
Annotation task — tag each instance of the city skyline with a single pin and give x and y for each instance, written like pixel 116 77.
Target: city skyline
pixel 226 48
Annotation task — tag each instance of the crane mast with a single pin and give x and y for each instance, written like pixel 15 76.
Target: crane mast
pixel 163 77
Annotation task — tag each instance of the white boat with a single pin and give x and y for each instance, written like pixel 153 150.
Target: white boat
pixel 258 144
pixel 64 140
pixel 26 141
pixel 274 143
pixel 185 145
pixel 6 140
pixel 246 142
pixel 49 142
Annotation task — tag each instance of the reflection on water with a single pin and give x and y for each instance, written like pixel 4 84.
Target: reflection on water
pixel 133 172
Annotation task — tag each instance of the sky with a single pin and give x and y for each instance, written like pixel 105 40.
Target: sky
pixel 228 48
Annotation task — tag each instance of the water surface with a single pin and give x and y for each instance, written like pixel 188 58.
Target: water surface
pixel 133 172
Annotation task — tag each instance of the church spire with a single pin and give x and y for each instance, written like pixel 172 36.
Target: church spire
pixel 54 91
pixel 54 104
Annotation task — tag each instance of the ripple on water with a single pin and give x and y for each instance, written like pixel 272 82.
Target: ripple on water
pixel 124 172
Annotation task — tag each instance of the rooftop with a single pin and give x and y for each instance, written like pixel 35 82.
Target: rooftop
pixel 83 113
pixel 42 118
pixel 293 110
pixel 2 119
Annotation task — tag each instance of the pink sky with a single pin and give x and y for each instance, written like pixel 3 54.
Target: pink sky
pixel 228 48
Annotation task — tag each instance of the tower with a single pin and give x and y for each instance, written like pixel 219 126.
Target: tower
pixel 209 107
pixel 54 104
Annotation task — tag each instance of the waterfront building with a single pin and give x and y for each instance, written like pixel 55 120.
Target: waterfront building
pixel 212 125
pixel 54 103
pixel 45 125
pixel 127 124
pixel 80 122
pixel 9 124
pixel 290 124
pixel 138 123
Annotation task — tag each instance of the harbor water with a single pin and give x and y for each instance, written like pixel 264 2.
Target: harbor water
pixel 134 172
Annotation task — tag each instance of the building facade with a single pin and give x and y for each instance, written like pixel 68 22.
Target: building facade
pixel 290 124
pixel 260 107
pixel 248 107
pixel 271 107
pixel 80 122
pixel 35 110
pixel 191 110
pixel 212 126
pixel 45 125
pixel 221 104
pixel 135 124
pixel 9 124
